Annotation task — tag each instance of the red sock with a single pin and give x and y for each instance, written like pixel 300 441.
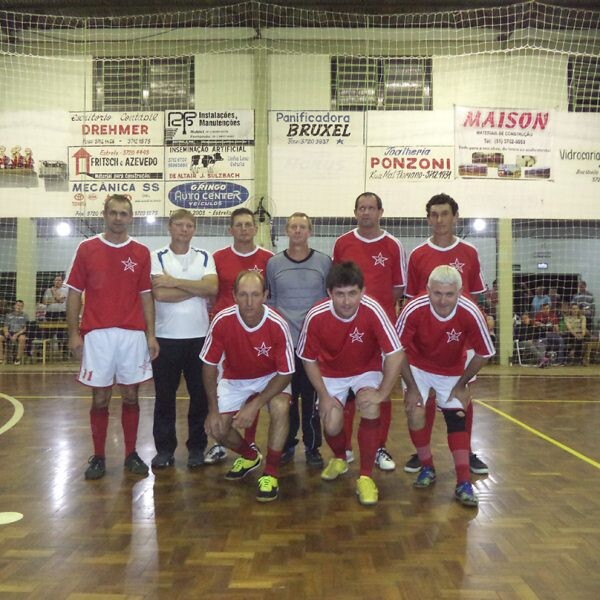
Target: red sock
pixel 245 450
pixel 337 443
pixel 99 424
pixel 368 442
pixel 430 410
pixel 469 422
pixel 385 416
pixel 250 432
pixel 349 412
pixel 130 418
pixel 421 438
pixel 272 464
pixel 458 442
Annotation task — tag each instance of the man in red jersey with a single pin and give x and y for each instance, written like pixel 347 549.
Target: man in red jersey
pixel 115 340
pixel 444 248
pixel 382 260
pixel 341 345
pixel 435 331
pixel 255 345
pixel 242 254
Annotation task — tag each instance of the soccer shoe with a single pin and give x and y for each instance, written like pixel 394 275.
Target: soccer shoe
pixel 134 464
pixel 413 464
pixel 162 460
pixel 287 456
pixel 425 477
pixel 476 465
pixel 97 468
pixel 314 458
pixel 242 466
pixel 335 468
pixel 268 489
pixel 215 454
pixel 195 459
pixel 367 491
pixel 384 460
pixel 465 495
pixel 349 456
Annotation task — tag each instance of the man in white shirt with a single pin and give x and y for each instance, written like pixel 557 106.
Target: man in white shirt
pixel 183 276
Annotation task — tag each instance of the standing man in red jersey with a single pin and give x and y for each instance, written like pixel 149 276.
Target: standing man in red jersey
pixel 435 330
pixel 445 248
pixel 382 260
pixel 243 254
pixel 116 340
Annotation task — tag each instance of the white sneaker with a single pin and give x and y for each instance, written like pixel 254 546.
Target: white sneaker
pixel 384 460
pixel 215 454
pixel 349 456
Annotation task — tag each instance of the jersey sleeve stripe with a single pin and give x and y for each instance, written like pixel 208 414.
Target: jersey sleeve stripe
pixel 479 319
pixel 384 320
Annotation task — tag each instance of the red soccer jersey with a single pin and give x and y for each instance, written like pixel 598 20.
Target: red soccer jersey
pixel 438 345
pixel 460 255
pixel 347 347
pixel 249 352
pixel 382 261
pixel 229 263
pixel 112 277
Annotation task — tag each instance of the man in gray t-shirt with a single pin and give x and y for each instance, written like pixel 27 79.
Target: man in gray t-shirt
pixel 15 326
pixel 296 280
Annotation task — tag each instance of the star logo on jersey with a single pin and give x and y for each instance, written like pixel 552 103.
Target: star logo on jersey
pixel 379 259
pixel 262 350
pixel 453 336
pixel 457 265
pixel 256 269
pixel 357 336
pixel 129 265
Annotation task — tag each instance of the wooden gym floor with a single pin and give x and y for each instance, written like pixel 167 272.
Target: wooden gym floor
pixel 184 535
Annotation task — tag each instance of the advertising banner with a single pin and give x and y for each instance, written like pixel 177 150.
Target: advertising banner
pixel 196 127
pixel 142 128
pixel 503 143
pixel 209 161
pixel 316 128
pixel 408 164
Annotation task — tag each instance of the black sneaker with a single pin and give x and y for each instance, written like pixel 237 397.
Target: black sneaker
pixel 195 459
pixel 314 458
pixel 162 460
pixel 413 464
pixel 97 468
pixel 476 465
pixel 287 456
pixel 134 464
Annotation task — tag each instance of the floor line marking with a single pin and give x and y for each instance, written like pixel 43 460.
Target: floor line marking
pixel 11 517
pixel 17 414
pixel 545 437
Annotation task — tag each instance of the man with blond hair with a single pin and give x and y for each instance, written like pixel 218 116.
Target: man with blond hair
pixel 183 277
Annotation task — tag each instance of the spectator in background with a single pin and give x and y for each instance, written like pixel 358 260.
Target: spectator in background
pixel 522 299
pixel 491 299
pixel 531 339
pixel 15 326
pixel 539 299
pixel 555 299
pixel 576 333
pixel 585 301
pixel 55 300
pixel 547 320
